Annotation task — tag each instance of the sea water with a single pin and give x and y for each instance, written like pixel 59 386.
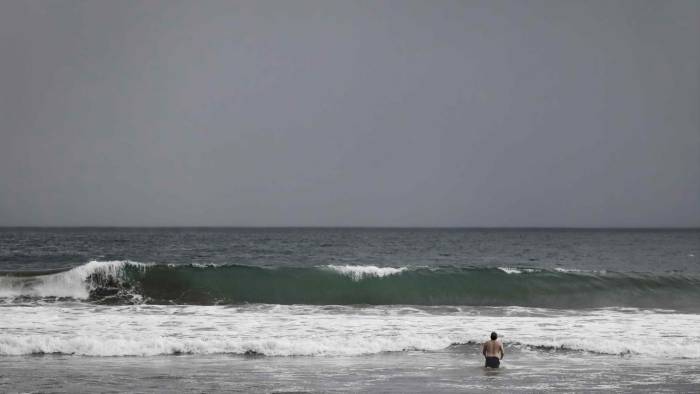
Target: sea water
pixel 156 310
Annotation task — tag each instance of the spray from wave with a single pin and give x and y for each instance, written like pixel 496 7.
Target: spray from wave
pixel 359 272
pixel 77 283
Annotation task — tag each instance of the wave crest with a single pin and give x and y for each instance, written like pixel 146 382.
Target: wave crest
pixel 359 272
pixel 76 283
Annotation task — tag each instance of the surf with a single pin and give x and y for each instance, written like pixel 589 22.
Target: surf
pixel 128 282
pixel 304 330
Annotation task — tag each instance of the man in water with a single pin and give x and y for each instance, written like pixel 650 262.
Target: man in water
pixel 491 350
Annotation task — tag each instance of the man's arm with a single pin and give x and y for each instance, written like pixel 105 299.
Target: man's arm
pixel 483 349
pixel 501 349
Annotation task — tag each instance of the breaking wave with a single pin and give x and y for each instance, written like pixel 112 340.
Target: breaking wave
pixel 127 282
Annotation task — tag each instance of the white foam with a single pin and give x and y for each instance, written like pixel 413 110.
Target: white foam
pixel 510 270
pixel 568 270
pixel 358 272
pixel 579 271
pixel 305 330
pixel 72 283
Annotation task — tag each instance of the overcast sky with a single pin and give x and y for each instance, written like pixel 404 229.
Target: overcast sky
pixel 350 113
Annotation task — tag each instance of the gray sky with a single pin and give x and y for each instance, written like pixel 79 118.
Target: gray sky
pixel 350 113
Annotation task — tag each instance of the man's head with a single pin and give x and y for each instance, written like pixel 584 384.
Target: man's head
pixel 494 336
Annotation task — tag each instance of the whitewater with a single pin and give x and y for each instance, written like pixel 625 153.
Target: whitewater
pixel 57 313
pixel 54 313
pixel 303 330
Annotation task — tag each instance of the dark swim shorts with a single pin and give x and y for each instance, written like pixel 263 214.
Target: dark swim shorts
pixel 492 362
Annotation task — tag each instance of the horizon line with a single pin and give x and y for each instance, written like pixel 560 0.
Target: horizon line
pixel 353 227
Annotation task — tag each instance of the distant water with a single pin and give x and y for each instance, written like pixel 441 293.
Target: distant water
pixel 396 309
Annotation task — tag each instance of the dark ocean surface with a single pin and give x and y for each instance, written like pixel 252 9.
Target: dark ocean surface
pixel 653 250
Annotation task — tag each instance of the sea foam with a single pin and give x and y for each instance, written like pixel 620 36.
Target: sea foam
pixel 359 272
pixel 145 330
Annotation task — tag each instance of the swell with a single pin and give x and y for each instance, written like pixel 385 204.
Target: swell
pixel 124 282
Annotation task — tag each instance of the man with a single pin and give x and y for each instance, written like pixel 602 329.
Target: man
pixel 491 350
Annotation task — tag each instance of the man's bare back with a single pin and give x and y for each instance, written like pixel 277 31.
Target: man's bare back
pixel 493 351
pixel 493 348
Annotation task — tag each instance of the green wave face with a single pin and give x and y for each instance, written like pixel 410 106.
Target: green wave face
pixel 234 284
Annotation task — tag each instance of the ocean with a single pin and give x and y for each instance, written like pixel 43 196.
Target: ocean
pixel 347 309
